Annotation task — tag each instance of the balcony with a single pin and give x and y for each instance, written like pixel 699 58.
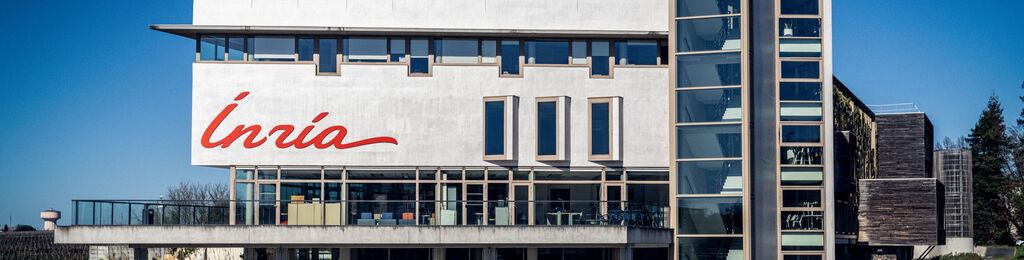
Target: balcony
pixel 364 222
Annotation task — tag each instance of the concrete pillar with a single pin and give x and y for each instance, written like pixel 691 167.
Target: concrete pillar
pixel 437 254
pixel 249 254
pixel 626 253
pixel 531 253
pixel 139 253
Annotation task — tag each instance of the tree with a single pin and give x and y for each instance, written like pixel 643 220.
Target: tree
pixel 20 227
pixel 208 203
pixel 1016 171
pixel 989 148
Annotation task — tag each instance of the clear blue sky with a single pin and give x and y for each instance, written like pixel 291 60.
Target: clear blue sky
pixel 96 105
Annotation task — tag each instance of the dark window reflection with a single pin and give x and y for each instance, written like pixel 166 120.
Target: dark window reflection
pixel 799 6
pixel 800 91
pixel 702 70
pixel 706 7
pixel 708 34
pixel 799 27
pixel 710 177
pixel 494 128
pixel 599 128
pixel 710 248
pixel 801 134
pixel 801 198
pixel 709 105
pixel 801 155
pixel 709 141
pixel 800 69
pixel 547 127
pixel 717 215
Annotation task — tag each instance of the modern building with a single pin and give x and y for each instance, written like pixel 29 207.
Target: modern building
pixel 455 129
pixel 953 166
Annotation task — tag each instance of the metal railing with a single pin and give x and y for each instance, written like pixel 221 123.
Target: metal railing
pixel 367 213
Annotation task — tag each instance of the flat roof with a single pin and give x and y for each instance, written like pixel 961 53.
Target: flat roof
pixel 191 31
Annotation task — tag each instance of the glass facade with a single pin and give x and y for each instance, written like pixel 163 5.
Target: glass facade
pixel 709 105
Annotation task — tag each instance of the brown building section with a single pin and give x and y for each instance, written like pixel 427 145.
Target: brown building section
pixel 901 212
pixel 904 145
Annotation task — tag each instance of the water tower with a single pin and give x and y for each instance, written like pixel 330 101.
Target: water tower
pixel 50 218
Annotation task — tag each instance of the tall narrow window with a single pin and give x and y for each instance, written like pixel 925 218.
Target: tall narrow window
pixel 551 126
pixel 499 128
pixel 397 50
pixel 510 57
pixel 419 56
pixel 306 49
pixel 489 51
pixel 579 52
pixel 605 139
pixel 211 47
pixel 600 51
pixel 328 55
pixel 236 48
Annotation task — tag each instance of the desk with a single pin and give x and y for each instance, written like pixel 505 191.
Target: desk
pixel 558 216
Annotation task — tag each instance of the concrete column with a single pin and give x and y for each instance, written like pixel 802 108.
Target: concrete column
pixel 625 253
pixel 139 253
pixel 531 253
pixel 344 254
pixel 249 254
pixel 437 253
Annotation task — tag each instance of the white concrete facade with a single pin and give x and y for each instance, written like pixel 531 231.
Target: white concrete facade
pixel 437 121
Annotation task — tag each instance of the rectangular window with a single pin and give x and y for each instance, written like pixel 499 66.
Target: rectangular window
pixel 600 52
pixel 636 52
pixel 647 176
pixel 499 127
pixel 365 49
pixel 236 48
pixel 799 6
pixel 306 46
pixel 710 247
pixel 328 55
pixel 709 141
pixel 800 111
pixel 397 49
pixel 456 50
pixel 488 51
pixel 708 34
pixel 600 128
pixel 800 70
pixel 686 8
pixel 510 57
pixel 547 52
pixel 245 173
pixel 292 174
pixel 267 173
pixel 801 134
pixel 272 48
pixel 244 207
pixel 802 241
pixel 715 215
pixel 799 47
pixel 801 198
pixel 547 128
pixel 800 91
pixel 801 155
pixel 802 257
pixel 579 52
pixel 419 56
pixel 709 105
pixel 802 176
pixel 709 177
pixel 211 47
pixel 799 27
pixel 802 220
pixel 704 70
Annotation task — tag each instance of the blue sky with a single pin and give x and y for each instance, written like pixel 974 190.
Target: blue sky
pixel 96 105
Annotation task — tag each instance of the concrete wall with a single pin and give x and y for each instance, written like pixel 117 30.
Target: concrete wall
pixel 641 15
pixel 213 236
pixel 436 120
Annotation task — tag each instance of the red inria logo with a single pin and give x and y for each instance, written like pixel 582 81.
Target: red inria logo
pixel 319 141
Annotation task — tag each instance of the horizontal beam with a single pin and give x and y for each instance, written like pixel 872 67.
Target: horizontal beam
pixel 191 31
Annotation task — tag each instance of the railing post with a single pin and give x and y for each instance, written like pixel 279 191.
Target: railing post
pixel 129 213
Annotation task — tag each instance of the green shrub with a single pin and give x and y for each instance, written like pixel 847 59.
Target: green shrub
pixel 960 256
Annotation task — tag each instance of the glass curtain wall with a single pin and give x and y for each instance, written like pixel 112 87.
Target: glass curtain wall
pixel 801 179
pixel 708 77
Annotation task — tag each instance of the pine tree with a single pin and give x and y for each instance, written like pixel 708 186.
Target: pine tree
pixel 990 147
pixel 1016 170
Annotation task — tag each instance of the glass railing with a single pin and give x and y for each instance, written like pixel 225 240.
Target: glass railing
pixel 367 213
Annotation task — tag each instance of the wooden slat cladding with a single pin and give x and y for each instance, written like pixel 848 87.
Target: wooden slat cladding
pixel 904 145
pixel 901 212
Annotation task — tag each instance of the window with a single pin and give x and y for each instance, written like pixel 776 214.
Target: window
pixel 306 46
pixel 801 155
pixel 547 52
pixel 702 70
pixel 419 56
pixel 800 70
pixel 267 173
pixel 708 34
pixel 709 105
pixel 802 220
pixel 636 52
pixel 800 111
pixel 499 127
pixel 236 48
pixel 710 247
pixel 488 51
pixel 292 174
pixel 605 134
pixel 709 177
pixel 802 176
pixel 801 134
pixel 579 52
pixel 801 198
pixel 211 47
pixel 709 141
pixel 799 27
pixel 600 53
pixel 714 215
pixel 802 257
pixel 510 57
pixel 799 6
pixel 272 48
pixel 245 173
pixel 365 49
pixel 397 49
pixel 551 135
pixel 328 55
pixel 800 91
pixel 803 241
pixel 449 50
pixel 706 7
pixel 799 47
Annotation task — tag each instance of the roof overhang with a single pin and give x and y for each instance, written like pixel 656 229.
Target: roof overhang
pixel 191 31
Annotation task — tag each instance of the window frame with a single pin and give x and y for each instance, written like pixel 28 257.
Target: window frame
pixel 562 106
pixel 614 129
pixel 509 124
pixel 337 56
